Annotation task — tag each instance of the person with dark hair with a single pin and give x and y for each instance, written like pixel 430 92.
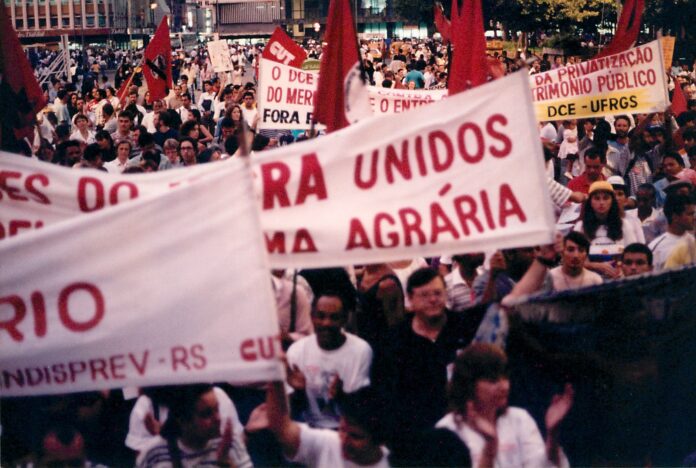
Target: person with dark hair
pixel 209 155
pixel 594 161
pixel 358 441
pixel 188 150
pixel 60 107
pixel 460 281
pixel 323 365
pixel 249 111
pixel 82 132
pixel 496 434
pixel 651 218
pixel 410 368
pixel 679 210
pixel 68 153
pixel 636 259
pixel 123 151
pixel 103 139
pixel 193 432
pixel 231 145
pixel 602 222
pixel 572 274
pixel 125 125
pixel 618 152
pixel 165 128
pixel 673 169
pixel 110 123
pixel 92 157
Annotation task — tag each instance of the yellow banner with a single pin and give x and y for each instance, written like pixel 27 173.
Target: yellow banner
pixel 632 81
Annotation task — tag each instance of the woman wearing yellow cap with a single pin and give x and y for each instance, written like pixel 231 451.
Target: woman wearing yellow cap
pixel 603 223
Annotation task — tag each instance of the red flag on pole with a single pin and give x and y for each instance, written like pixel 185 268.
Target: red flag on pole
pixel 122 92
pixel 678 99
pixel 158 62
pixel 469 64
pixel 441 23
pixel 627 29
pixel 341 97
pixel 20 94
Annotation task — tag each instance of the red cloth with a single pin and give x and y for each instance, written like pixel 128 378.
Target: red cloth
pixel 678 99
pixel 441 23
pixel 469 63
pixel 22 96
pixel 282 49
pixel 581 183
pixel 342 88
pixel 627 28
pixel 158 62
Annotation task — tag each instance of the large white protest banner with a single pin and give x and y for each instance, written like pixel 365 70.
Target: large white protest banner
pixel 460 175
pixel 219 53
pixel 34 194
pixel 629 82
pixel 152 292
pixel 464 174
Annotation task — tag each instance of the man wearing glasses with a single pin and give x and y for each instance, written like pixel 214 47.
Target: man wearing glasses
pixel 410 371
pixel 188 150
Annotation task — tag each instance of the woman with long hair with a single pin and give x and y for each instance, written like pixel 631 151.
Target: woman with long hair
pixel 603 223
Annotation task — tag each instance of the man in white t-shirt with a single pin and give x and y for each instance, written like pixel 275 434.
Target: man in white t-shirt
pixel 326 362
pixel 679 210
pixel 572 273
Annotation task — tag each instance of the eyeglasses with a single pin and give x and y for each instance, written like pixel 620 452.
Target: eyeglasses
pixel 428 294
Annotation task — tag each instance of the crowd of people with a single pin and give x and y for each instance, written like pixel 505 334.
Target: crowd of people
pixel 386 364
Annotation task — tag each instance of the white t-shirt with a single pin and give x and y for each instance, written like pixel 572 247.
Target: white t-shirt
pixel 519 441
pixel 603 245
pixel 139 437
pixel 321 448
pixel 662 246
pixel 561 282
pixel 351 362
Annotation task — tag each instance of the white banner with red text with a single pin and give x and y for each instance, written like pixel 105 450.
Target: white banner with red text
pixel 464 174
pixel 150 292
pixel 632 82
pixel 461 175
pixel 286 97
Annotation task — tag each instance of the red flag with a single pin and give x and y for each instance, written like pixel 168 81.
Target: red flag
pixel 341 97
pixel 281 48
pixel 20 94
pixel 678 99
pixel 469 56
pixel 441 23
pixel 158 62
pixel 627 29
pixel 122 92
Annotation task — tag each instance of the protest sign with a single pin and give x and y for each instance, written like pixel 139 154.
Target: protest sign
pixel 459 175
pixel 34 194
pixel 153 292
pixel 219 53
pixel 394 101
pixel 286 96
pixel 628 82
pixel 668 43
